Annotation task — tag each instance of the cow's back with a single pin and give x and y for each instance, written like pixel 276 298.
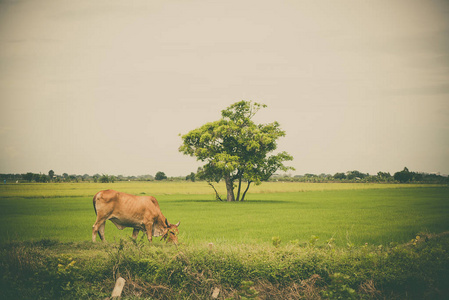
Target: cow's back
pixel 119 204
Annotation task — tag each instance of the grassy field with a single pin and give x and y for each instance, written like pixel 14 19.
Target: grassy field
pixel 288 241
pixel 156 188
pixel 294 212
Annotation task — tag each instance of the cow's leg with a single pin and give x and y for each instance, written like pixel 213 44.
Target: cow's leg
pixel 101 231
pixel 149 231
pixel 135 233
pixel 98 227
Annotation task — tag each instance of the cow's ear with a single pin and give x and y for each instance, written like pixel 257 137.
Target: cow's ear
pixel 177 224
pixel 166 222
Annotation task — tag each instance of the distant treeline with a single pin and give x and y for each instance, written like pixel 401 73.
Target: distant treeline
pixel 104 178
pixel 39 177
pixel 404 176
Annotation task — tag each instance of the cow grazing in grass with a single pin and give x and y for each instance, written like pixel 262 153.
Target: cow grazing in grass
pixel 139 212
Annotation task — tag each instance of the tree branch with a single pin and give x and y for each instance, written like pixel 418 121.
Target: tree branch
pixel 217 196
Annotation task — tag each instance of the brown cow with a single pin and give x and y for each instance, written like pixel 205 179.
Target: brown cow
pixel 139 212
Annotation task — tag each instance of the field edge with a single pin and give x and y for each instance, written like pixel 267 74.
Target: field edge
pixel 53 269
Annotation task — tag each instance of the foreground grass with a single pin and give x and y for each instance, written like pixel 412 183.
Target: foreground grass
pixel 49 269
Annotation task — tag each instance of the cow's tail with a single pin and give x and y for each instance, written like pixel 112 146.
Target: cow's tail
pixel 95 201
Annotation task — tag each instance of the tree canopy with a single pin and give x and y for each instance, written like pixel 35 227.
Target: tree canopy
pixel 234 148
pixel 160 176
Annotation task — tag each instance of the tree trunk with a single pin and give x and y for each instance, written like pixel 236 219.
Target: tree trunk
pixel 244 193
pixel 239 188
pixel 230 188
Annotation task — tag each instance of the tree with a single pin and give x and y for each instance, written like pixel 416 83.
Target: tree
pixel 105 178
pixel 191 177
pixel 96 177
pixel 160 176
pixel 28 176
pixel 234 148
pixel 340 176
pixel 355 175
pixel 403 176
pixel 383 176
pixel 41 178
pixel 51 174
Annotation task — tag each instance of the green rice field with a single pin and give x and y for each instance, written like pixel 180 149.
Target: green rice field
pixel 294 212
pixel 287 241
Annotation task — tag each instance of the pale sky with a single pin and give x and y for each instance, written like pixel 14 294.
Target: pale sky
pixel 106 86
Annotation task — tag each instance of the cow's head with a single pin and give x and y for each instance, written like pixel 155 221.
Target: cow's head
pixel 171 232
